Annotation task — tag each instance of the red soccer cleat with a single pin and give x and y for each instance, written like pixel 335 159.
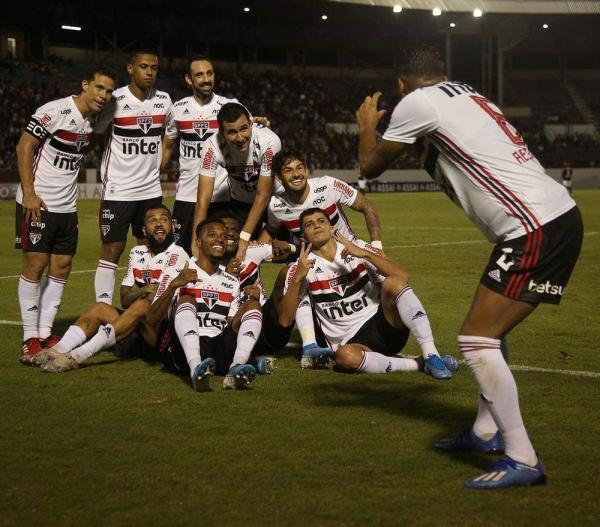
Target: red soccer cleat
pixel 50 342
pixel 31 347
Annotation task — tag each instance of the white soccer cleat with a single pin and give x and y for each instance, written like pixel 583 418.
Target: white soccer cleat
pixel 60 364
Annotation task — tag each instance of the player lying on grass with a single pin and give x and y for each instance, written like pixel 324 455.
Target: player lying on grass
pixel 362 302
pixel 157 265
pixel 216 327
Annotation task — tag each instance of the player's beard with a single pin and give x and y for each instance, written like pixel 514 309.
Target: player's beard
pixel 203 96
pixel 159 247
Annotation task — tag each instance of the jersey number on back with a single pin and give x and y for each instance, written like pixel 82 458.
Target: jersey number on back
pixel 514 136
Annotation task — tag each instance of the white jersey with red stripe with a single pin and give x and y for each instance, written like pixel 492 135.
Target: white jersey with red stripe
pixel 130 167
pixel 326 193
pixel 194 123
pixel 217 298
pixel 63 134
pixel 479 159
pixel 243 168
pixel 145 269
pixel 344 293
pixel 256 255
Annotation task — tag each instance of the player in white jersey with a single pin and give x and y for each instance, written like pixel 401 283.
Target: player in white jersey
pixel 192 122
pixel 210 319
pixel 485 167
pixel 246 151
pixel 152 269
pixel 130 167
pixel 362 302
pixel 49 155
pixel 325 192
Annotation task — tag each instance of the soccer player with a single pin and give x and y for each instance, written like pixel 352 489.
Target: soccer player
pixel 210 320
pixel 485 167
pixel 153 268
pixel 130 164
pixel 246 151
pixel 362 302
pixel 49 154
pixel 193 121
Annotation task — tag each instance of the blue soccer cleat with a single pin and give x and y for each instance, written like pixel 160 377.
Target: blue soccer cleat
pixel 263 365
pixel 467 440
pixel 315 357
pixel 507 472
pixel 202 373
pixel 451 363
pixel 436 367
pixel 239 377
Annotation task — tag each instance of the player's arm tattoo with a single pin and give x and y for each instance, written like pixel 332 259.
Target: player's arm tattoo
pixel 362 204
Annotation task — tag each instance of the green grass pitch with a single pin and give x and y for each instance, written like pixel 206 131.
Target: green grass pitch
pixel 124 443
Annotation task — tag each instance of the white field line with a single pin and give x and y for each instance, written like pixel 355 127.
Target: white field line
pixel 9 323
pixel 575 373
pixel 72 272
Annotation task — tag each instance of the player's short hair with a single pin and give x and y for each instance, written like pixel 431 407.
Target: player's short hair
pixel 158 206
pixel 141 51
pixel 311 211
pixel 284 157
pixel 203 224
pixel 231 112
pixel 196 58
pixel 421 60
pixel 100 70
pixel 222 214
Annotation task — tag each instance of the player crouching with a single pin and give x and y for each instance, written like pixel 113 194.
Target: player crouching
pixel 365 324
pixel 211 320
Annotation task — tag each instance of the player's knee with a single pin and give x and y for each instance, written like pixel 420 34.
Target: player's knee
pixel 102 310
pixel 112 251
pixel 347 358
pixel 392 285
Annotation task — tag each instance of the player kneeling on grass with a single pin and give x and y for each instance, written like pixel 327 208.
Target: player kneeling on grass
pixel 151 267
pixel 211 320
pixel 365 324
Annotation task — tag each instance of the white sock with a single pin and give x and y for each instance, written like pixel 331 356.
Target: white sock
pixel 484 427
pixel 105 338
pixel 29 302
pixel 73 337
pixel 49 304
pixel 104 281
pixel 498 387
pixel 374 362
pixel 247 335
pixel 186 327
pixel 415 318
pixel 305 324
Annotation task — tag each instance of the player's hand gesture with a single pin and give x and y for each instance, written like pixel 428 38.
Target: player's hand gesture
pixel 349 249
pixel 304 264
pixel 252 291
pixel 186 276
pixel 234 266
pixel 241 252
pixel 32 207
pixel 367 116
pixel 262 121
pixel 281 249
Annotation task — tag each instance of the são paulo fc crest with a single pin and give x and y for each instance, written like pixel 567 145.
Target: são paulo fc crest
pixel 80 141
pixel 145 123
pixel 339 284
pixel 209 298
pixel 105 228
pixel 35 237
pixel 200 127
pixel 146 276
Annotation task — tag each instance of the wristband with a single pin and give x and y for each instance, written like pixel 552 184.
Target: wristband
pixel 245 236
pixel 377 244
pixel 292 249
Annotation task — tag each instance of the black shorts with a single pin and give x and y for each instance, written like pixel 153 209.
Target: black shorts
pixel 55 233
pixel 183 221
pixel 536 267
pixel 273 336
pixel 380 336
pixel 221 348
pixel 117 216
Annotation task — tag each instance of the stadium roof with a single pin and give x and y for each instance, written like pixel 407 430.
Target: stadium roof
pixel 580 7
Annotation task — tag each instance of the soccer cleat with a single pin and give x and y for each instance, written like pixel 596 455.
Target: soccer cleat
pixel 202 374
pixel 435 366
pixel 31 347
pixel 263 365
pixel 507 472
pixel 50 342
pixel 467 440
pixel 315 357
pixel 239 377
pixel 43 357
pixel 60 364
pixel 451 363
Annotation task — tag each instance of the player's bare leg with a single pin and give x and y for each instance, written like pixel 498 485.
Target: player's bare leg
pixel 106 271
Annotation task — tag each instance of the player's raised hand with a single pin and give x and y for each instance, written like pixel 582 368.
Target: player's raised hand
pixel 186 276
pixel 350 249
pixel 32 207
pixel 367 115
pixel 234 266
pixel 262 121
pixel 304 264
pixel 241 252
